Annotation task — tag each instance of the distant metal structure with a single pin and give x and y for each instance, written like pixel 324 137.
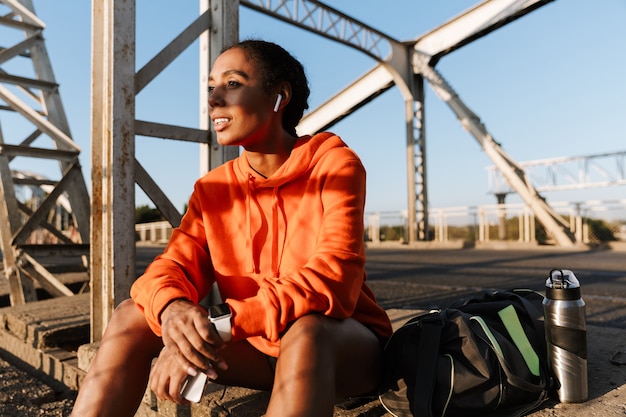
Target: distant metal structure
pixel 567 173
pixel 29 229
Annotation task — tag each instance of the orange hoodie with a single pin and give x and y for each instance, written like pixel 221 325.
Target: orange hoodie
pixel 279 248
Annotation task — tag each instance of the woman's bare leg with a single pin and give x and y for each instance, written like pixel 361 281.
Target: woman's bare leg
pixel 247 367
pixel 118 375
pixel 322 359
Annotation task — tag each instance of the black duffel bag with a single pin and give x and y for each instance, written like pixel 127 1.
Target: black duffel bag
pixel 481 356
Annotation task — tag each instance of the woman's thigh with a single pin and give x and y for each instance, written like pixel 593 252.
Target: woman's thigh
pixel 247 367
pixel 347 348
pixel 355 350
pixel 359 359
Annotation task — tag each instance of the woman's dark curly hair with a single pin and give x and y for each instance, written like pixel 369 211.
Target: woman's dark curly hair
pixel 276 65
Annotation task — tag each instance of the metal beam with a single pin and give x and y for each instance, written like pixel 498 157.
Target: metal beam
pixel 567 173
pixel 516 177
pixel 224 22
pixel 21 290
pixel 19 49
pixel 115 170
pixel 342 104
pixel 25 225
pixel 165 57
pixel 61 138
pixel 330 23
pixel 152 189
pixel 32 152
pixel 113 158
pixel 395 69
pixel 165 131
pixel 471 25
pixel 24 9
pixel 38 216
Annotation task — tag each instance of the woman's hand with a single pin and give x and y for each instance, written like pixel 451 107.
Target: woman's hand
pixel 166 377
pixel 191 345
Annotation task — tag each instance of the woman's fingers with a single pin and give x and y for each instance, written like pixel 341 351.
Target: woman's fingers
pixel 189 335
pixel 166 378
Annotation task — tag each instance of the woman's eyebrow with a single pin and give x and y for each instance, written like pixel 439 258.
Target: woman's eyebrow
pixel 233 71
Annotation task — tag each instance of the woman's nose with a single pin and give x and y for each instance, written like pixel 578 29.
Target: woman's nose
pixel 215 97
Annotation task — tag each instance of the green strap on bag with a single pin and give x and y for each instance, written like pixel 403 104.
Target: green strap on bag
pixel 511 321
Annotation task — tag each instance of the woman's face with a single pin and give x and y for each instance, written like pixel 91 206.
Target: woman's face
pixel 240 109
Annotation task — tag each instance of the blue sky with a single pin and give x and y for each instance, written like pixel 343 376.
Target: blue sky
pixel 547 85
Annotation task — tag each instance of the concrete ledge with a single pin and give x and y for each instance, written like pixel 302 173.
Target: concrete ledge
pixel 450 244
pixel 53 365
pixel 617 246
pixel 42 336
pixel 607 388
pixel 492 244
pixel 49 323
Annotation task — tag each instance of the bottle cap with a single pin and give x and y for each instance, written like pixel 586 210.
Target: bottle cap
pixel 562 284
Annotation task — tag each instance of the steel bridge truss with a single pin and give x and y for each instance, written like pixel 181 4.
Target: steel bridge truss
pixel 567 173
pixel 34 226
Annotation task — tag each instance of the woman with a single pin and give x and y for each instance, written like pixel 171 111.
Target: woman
pixel 280 229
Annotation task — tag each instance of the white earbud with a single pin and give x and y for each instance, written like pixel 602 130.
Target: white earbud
pixel 278 100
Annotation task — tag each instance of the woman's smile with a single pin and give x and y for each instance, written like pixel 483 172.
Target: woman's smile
pixel 219 123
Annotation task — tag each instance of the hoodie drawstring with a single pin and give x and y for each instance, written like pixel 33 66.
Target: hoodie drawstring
pixel 273 227
pixel 275 233
pixel 250 237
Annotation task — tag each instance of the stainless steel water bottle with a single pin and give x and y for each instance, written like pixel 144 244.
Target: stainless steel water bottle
pixel 566 334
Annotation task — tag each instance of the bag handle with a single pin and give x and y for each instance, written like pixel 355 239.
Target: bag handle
pixel 428 354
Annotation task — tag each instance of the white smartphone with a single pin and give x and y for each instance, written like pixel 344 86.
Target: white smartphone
pixel 193 387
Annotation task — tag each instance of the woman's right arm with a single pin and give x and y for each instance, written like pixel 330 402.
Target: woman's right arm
pixel 183 271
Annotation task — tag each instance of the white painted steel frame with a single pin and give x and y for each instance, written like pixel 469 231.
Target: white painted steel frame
pixel 552 221
pixel 115 168
pixel 17 221
pixel 112 158
pixel 567 173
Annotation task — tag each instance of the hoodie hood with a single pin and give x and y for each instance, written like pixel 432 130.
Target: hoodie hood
pixel 305 154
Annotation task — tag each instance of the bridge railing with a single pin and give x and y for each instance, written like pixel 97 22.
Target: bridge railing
pixel 592 222
pixel 153 232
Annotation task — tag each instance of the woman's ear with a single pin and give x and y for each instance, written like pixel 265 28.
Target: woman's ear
pixel 283 95
pixel 279 98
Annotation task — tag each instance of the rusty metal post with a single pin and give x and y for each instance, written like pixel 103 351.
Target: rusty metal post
pixel 224 31
pixel 114 166
pixel 113 158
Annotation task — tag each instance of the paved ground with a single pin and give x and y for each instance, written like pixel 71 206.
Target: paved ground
pixel 420 279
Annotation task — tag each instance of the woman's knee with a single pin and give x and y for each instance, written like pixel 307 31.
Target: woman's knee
pixel 129 326
pixel 347 347
pixel 126 307
pixel 311 328
pixel 127 315
pixel 319 329
pixel 324 338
